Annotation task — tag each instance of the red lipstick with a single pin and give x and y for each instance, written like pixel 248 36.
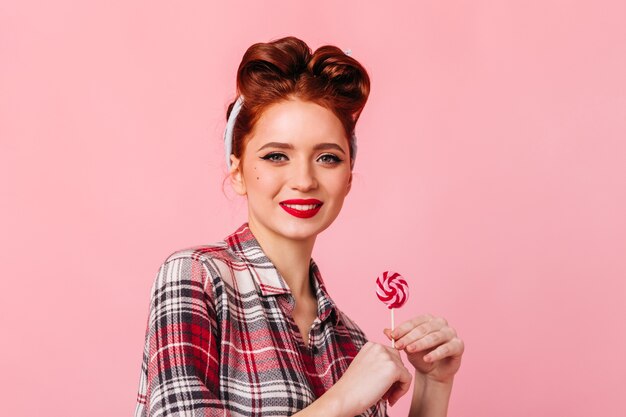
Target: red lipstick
pixel 302 212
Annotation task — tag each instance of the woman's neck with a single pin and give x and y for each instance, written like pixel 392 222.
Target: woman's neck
pixel 290 257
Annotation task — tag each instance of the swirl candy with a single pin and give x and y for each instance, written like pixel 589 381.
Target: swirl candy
pixel 392 289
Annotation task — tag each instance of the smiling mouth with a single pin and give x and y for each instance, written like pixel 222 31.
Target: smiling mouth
pixel 302 208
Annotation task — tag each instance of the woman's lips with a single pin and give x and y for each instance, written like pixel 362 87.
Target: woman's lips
pixel 303 209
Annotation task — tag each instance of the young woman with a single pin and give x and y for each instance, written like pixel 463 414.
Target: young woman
pixel 245 327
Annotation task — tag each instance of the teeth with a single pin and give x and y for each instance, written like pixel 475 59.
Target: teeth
pixel 301 207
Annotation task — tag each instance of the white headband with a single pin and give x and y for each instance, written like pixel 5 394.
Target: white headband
pixel 228 134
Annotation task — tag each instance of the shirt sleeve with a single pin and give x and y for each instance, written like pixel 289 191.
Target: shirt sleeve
pixel 180 368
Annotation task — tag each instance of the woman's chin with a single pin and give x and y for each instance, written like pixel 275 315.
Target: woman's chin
pixel 302 229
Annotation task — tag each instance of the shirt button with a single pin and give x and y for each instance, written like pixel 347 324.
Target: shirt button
pixel 314 350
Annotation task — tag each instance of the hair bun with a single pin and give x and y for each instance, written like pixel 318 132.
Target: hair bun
pixel 269 64
pixel 344 76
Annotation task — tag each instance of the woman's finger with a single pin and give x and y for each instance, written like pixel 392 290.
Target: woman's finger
pixel 452 348
pixel 431 326
pixel 403 383
pixel 430 340
pixel 400 387
pixel 409 325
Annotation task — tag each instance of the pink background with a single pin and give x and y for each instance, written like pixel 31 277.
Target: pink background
pixel 491 173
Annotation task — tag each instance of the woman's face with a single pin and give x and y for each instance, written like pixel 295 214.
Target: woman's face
pixel 295 170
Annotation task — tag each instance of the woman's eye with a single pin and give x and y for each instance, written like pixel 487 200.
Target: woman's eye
pixel 275 157
pixel 329 158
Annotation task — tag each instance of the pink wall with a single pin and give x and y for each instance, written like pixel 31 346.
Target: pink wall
pixel 491 173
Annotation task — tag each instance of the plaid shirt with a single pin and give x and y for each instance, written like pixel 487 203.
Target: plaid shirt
pixel 221 340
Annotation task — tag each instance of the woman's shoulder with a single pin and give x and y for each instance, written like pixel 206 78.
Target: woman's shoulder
pixel 221 250
pixel 212 264
pixel 218 251
pixel 201 263
pixel 188 264
pixel 207 252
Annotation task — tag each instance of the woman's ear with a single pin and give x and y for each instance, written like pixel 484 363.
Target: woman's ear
pixel 349 183
pixel 236 175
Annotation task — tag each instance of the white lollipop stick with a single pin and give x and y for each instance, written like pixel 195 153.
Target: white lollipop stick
pixel 393 341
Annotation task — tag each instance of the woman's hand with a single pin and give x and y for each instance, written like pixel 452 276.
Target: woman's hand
pixel 431 346
pixel 376 372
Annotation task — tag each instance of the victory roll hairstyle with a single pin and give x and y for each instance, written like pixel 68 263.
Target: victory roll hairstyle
pixel 286 69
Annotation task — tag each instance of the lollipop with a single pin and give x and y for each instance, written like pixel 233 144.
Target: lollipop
pixel 392 290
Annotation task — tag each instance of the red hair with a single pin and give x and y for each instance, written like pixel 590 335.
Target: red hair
pixel 285 69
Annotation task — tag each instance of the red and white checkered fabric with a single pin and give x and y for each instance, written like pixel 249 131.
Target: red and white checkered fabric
pixel 221 341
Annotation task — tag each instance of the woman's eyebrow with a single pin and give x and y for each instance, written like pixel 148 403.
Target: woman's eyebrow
pixel 324 146
pixel 318 147
pixel 280 145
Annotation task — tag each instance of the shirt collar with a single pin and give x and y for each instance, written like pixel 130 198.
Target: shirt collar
pixel 325 305
pixel 268 280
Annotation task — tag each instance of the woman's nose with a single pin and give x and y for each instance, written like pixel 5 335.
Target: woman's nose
pixel 304 178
